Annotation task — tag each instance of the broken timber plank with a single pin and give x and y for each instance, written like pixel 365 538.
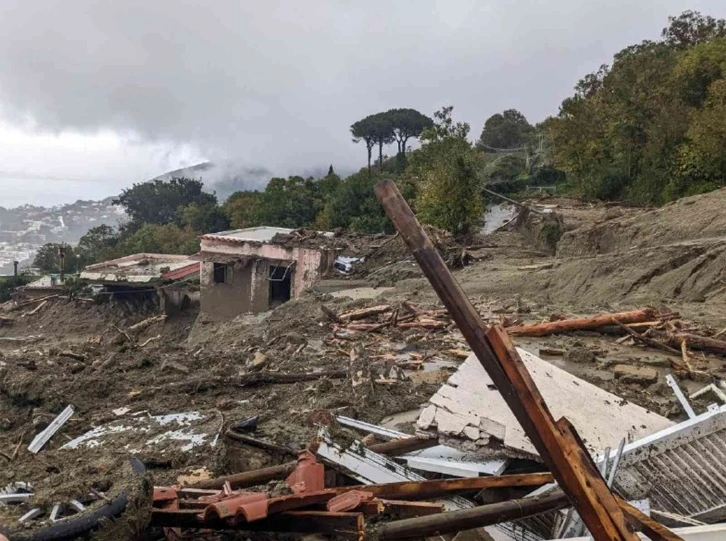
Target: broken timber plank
pixel 652 528
pixel 497 355
pixel 365 312
pixel 467 519
pixel 249 478
pixel 349 524
pixel 438 487
pixel 582 323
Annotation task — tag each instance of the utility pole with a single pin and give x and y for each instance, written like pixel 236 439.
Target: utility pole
pixel 62 256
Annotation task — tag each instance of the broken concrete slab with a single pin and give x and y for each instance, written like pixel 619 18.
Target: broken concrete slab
pixel 469 413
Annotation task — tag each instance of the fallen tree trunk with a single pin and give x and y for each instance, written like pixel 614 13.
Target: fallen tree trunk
pixel 581 324
pixel 141 325
pixel 468 519
pixel 260 444
pixel 251 379
pixel 696 341
pixel 261 378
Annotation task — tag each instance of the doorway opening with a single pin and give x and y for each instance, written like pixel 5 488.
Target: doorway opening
pixel 280 284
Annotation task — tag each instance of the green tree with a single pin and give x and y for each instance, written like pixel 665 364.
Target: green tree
pixel 407 123
pixel 162 239
pixel 48 259
pixel 206 218
pixel 691 28
pixel 449 193
pixel 508 130
pixel 292 202
pixel 159 201
pixel 8 284
pixel 383 133
pixel 363 130
pixel 646 128
pixel 96 245
pixel 702 159
pixel 444 127
pixel 354 206
pixel 243 209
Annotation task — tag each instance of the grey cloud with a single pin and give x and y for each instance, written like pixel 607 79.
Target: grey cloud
pixel 276 84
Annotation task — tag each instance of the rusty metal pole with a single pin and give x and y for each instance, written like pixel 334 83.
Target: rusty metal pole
pixel 572 467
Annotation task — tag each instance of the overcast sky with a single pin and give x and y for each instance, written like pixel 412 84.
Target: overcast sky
pixel 98 94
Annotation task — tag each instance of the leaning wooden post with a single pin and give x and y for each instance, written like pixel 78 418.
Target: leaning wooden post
pixel 572 467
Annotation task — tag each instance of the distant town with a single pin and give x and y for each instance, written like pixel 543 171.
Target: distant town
pixel 25 229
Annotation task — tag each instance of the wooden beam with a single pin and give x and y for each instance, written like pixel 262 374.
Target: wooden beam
pixel 650 527
pixel 405 509
pixel 346 524
pixel 437 487
pixel 467 519
pixel 505 368
pixel 249 478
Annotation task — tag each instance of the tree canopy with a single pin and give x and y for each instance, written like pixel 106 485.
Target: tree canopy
pixel 384 128
pixel 449 193
pixel 647 127
pixel 159 201
pixel 508 130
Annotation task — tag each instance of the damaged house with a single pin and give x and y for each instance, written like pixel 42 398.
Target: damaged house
pixel 146 276
pixel 256 269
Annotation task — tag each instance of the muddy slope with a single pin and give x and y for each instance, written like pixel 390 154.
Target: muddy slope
pixel 625 257
pixel 700 217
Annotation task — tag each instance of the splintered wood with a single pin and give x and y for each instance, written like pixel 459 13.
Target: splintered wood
pixel 556 443
pixel 385 316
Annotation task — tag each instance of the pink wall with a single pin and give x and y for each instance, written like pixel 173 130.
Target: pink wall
pixel 309 263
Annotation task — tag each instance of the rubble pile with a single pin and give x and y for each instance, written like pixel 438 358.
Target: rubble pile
pixel 365 415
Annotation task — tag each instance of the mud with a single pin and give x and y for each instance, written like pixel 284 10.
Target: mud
pixel 604 258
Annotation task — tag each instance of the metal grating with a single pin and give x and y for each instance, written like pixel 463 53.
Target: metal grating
pixel 684 472
pixel 681 469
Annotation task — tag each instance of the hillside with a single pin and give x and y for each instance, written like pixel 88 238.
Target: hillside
pixel 25 229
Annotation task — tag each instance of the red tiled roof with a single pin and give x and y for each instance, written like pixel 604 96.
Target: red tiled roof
pixel 182 272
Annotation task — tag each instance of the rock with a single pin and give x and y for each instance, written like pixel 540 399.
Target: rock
pixel 635 374
pixel 580 355
pixel 258 361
